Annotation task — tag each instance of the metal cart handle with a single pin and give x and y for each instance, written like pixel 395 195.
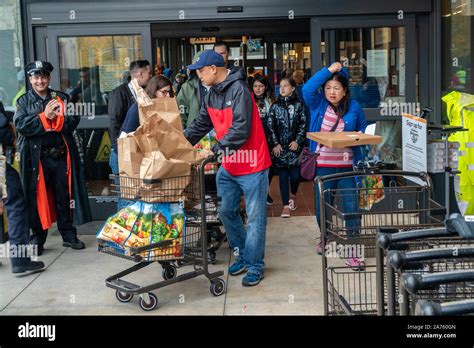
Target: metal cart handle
pixel 425 307
pixel 415 282
pixel 423 176
pixel 209 159
pixel 386 240
pixel 456 223
pixel 399 259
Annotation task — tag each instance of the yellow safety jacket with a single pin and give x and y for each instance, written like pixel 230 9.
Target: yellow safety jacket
pixel 460 112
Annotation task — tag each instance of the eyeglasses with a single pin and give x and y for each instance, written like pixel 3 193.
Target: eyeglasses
pixel 166 91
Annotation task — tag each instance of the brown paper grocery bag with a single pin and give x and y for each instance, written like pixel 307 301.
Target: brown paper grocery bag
pixel 159 135
pixel 130 159
pixel 156 166
pixel 166 108
pixel 129 155
pixel 174 177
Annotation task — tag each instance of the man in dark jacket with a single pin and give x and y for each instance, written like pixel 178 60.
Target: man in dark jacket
pixel 229 108
pixel 120 100
pixel 51 173
pixel 14 202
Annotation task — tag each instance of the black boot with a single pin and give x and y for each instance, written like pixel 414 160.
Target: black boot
pixel 75 244
pixel 29 266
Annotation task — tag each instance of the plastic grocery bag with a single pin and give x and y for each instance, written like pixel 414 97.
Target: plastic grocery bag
pixel 147 224
pixel 371 192
pixel 206 144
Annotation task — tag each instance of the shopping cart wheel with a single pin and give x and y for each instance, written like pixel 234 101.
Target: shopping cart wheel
pixel 123 296
pixel 151 305
pixel 217 287
pixel 169 272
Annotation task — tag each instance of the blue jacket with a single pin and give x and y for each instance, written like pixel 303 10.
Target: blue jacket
pixel 354 119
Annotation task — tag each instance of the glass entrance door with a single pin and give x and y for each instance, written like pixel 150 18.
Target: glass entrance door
pixel 381 56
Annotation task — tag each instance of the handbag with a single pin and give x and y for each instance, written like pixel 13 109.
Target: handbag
pixel 307 163
pixel 307 160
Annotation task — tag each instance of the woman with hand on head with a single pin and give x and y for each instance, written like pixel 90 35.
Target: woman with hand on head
pixel 332 110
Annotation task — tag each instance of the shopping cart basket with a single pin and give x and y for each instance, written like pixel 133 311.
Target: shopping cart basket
pixel 456 233
pixel 190 191
pixel 432 275
pixel 401 201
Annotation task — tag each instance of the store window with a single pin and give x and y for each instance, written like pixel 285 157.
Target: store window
pixel 90 67
pixel 375 58
pixel 12 79
pixel 457 45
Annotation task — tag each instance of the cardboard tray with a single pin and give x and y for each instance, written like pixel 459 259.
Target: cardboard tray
pixel 344 139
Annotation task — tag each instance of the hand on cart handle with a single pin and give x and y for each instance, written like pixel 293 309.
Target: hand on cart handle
pixel 209 156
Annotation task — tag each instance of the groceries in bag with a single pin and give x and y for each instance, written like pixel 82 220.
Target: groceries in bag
pixel 147 225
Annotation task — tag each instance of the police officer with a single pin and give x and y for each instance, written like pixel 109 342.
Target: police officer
pixel 51 172
pixel 17 213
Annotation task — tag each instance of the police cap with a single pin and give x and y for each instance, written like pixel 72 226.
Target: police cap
pixel 39 68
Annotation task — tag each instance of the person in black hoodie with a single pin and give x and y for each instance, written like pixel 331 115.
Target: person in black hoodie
pixel 14 202
pixel 287 125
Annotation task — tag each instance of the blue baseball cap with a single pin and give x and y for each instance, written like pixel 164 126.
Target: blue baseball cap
pixel 207 58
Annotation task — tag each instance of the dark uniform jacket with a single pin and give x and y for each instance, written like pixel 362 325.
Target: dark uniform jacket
pixel 31 133
pixel 6 132
pixel 286 123
pixel 120 100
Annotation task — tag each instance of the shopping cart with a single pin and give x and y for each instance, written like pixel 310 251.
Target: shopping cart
pixel 402 201
pixel 432 308
pixel 393 246
pixel 190 191
pixel 215 234
pixel 428 274
pixel 441 287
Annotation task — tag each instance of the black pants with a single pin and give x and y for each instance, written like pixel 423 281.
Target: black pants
pixel 17 216
pixel 56 179
pixel 291 174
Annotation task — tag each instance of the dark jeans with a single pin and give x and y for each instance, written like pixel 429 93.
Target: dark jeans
pixel 350 199
pixel 17 216
pixel 289 178
pixel 56 179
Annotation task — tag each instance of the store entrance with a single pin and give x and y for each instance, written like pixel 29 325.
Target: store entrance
pixel 268 47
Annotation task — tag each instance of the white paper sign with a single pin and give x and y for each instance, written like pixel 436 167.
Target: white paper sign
pixel 414 132
pixel 377 63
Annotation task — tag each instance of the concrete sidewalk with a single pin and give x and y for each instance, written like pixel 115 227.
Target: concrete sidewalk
pixel 73 282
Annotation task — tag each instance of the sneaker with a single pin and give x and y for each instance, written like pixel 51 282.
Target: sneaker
pixel 286 212
pixel 237 268
pixel 270 200
pixel 292 203
pixel 355 264
pixel 31 266
pixel 75 244
pixel 252 279
pixel 319 247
